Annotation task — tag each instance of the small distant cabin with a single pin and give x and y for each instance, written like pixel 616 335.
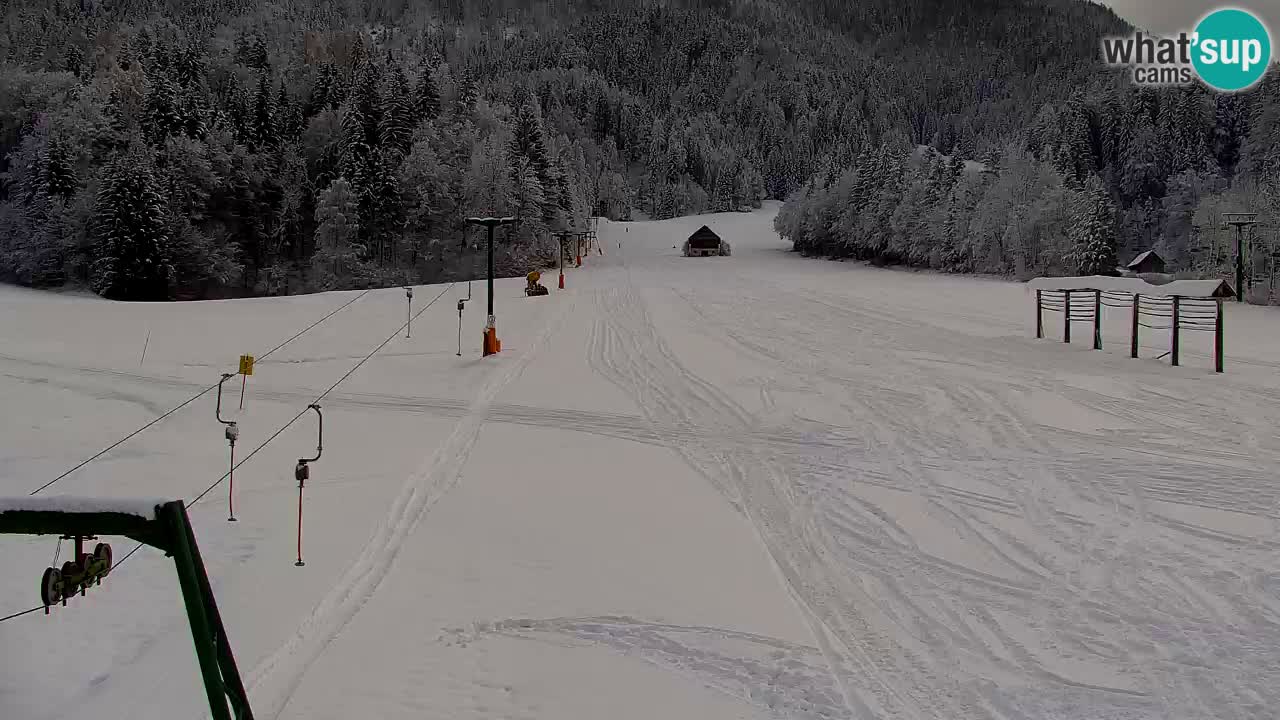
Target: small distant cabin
pixel 705 243
pixel 1146 263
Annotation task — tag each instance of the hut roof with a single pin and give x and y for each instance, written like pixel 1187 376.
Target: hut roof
pixel 1143 256
pixel 704 233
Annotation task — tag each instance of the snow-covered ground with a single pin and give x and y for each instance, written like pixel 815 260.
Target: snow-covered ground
pixel 757 486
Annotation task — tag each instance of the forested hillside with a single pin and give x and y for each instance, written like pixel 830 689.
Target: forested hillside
pixel 156 148
pixel 1100 173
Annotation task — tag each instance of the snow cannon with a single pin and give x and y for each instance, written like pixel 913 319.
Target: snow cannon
pixel 535 288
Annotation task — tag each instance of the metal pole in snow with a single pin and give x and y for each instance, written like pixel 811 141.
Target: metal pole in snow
pixel 1133 341
pixel 1039 316
pixel 1217 339
pixel 1174 337
pixel 1097 319
pixel 1066 316
pixel 231 486
pixel 1239 266
pixel 491 272
pixel 408 313
pixel 302 472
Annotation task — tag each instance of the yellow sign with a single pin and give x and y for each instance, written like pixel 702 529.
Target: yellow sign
pixel 246 364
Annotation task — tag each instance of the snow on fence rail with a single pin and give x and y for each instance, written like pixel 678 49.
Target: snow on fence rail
pixel 1180 305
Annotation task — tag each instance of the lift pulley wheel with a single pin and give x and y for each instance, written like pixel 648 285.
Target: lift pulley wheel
pixel 51 587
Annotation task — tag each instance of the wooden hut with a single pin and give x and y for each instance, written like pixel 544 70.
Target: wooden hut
pixel 1145 263
pixel 705 242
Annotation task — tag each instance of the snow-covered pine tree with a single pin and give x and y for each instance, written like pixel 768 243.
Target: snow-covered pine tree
pixel 398 122
pixel 189 67
pixel 955 171
pixel 252 53
pixel 60 173
pixel 1093 231
pixel 337 235
pixel 384 218
pixel 358 54
pixel 239 112
pixel 528 139
pixel 933 175
pixel 289 120
pixel 467 93
pixel 33 224
pixel 601 113
pixel 529 195
pixel 324 91
pixel 1230 129
pixel 366 95
pixel 133 260
pixel 265 133
pixel 163 116
pixel 426 96
pixel 887 200
pixel 1260 155
pixel 354 149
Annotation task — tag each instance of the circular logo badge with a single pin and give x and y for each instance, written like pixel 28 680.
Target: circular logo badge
pixel 1232 51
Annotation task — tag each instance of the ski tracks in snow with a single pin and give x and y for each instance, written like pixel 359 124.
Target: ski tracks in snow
pixel 273 682
pixel 957 558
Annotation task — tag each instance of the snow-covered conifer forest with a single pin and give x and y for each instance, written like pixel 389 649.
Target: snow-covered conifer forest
pixel 157 149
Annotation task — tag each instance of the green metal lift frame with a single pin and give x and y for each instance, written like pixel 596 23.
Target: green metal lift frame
pixel 170 531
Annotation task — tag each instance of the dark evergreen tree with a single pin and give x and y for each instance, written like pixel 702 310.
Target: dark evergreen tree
pixel 264 131
pixel 163 116
pixel 133 255
pixel 426 97
pixel 354 146
pixel 289 122
pixel 325 91
pixel 468 94
pixel 60 172
pixel 252 53
pixel 398 114
pixel 528 142
pixel 1093 231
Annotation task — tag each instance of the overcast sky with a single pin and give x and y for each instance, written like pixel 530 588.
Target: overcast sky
pixel 1170 16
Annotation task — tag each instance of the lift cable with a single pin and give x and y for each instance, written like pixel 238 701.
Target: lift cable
pixel 274 435
pixel 191 399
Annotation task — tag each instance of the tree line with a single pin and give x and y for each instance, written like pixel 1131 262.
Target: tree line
pixel 1112 171
pixel 154 148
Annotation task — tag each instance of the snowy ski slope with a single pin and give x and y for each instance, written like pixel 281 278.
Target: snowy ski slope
pixel 756 486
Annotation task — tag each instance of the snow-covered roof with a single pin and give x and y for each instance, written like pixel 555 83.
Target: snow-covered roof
pixel 1143 256
pixel 143 508
pixel 704 233
pixel 1137 286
